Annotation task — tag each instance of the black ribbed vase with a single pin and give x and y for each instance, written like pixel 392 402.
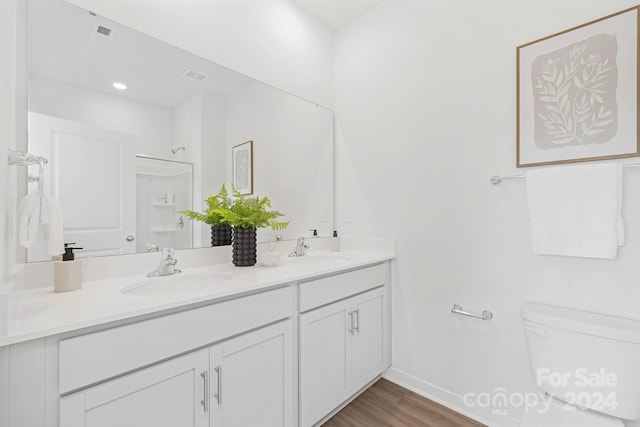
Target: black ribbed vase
pixel 220 235
pixel 244 247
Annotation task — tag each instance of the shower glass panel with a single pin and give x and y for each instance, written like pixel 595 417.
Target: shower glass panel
pixel 163 188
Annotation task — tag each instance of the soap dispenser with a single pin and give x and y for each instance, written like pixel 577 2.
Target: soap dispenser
pixel 68 272
pixel 334 243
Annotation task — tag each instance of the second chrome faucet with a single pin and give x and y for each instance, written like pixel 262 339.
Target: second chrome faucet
pixel 167 265
pixel 300 249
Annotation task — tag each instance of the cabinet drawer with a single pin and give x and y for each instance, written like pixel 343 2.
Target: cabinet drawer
pixel 326 290
pixel 94 357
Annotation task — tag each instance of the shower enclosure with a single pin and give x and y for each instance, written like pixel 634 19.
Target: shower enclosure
pixel 163 188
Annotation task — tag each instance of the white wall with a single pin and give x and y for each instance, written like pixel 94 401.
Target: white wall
pixel 292 155
pixel 200 127
pixel 8 39
pixel 7 116
pixel 425 107
pixel 270 40
pixel 151 125
pixel 9 88
pixel 214 149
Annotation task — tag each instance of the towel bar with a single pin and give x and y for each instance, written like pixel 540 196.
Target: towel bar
pixel 497 179
pixel 19 158
pixel 486 314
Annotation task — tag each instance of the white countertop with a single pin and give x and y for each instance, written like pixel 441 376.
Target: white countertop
pixel 41 312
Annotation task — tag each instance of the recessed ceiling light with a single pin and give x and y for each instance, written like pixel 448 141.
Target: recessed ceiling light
pixel 120 86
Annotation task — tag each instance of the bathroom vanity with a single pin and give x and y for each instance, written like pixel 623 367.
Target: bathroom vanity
pixel 283 346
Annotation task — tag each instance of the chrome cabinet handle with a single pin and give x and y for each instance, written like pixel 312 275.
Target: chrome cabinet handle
pixel 130 238
pixel 352 328
pixel 356 328
pixel 205 401
pixel 218 395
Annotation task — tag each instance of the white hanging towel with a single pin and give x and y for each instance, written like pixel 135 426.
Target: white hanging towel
pixel 40 218
pixel 576 210
pixel 29 228
pixel 53 226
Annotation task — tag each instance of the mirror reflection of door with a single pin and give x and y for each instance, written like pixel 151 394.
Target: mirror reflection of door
pixel 91 172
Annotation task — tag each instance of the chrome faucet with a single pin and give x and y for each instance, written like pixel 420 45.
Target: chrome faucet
pixel 300 249
pixel 167 265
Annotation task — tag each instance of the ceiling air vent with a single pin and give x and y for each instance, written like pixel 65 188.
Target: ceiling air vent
pixel 102 33
pixel 196 76
pixel 103 30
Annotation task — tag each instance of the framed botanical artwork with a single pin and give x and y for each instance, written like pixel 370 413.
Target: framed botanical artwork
pixel 578 92
pixel 243 167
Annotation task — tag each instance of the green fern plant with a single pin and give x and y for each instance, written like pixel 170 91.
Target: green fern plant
pixel 215 204
pixel 251 212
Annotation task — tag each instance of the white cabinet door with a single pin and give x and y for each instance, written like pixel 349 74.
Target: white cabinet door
pixel 252 379
pixel 325 360
pixel 165 395
pixel 343 346
pixel 368 343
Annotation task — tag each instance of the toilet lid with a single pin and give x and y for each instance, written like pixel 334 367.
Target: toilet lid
pixel 561 414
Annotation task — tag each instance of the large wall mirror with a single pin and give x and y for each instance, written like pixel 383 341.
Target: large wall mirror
pixel 124 161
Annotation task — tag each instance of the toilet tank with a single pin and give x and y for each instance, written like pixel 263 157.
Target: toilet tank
pixel 588 359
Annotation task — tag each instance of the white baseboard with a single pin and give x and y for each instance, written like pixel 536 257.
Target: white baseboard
pixel 449 399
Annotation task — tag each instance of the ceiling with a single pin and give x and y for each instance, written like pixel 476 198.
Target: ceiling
pixel 64 45
pixel 336 13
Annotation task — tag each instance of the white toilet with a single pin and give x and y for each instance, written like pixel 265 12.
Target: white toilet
pixel 590 359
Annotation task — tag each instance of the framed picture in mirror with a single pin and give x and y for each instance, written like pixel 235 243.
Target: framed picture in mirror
pixel 577 96
pixel 243 167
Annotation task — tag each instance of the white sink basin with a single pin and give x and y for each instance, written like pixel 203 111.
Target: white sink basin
pixel 175 284
pixel 319 258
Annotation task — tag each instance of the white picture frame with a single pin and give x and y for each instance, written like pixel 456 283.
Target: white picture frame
pixel 243 167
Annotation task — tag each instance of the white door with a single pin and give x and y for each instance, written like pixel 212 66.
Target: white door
pixel 368 348
pixel 325 360
pixel 252 379
pixel 165 395
pixel 91 172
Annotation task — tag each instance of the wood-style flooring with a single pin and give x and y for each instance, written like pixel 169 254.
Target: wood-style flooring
pixel 386 404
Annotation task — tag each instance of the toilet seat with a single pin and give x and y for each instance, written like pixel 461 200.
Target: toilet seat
pixel 559 415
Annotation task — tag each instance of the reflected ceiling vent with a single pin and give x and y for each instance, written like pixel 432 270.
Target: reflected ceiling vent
pixel 104 30
pixel 103 33
pixel 196 76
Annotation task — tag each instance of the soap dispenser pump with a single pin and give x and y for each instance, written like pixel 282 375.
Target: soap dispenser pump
pixel 68 272
pixel 68 252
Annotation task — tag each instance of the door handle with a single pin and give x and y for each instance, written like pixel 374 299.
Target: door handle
pixel 205 401
pixel 218 395
pixel 356 328
pixel 130 238
pixel 352 330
